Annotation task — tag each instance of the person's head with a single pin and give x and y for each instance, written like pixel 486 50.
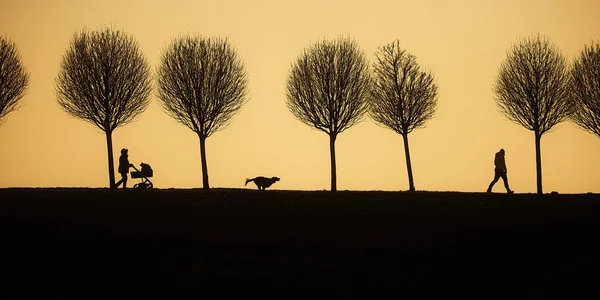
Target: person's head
pixel 502 151
pixel 124 151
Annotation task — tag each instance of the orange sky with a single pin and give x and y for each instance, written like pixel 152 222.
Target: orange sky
pixel 461 42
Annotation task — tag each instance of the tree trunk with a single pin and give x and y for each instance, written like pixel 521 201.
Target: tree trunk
pixel 204 166
pixel 538 162
pixel 111 161
pixel 411 183
pixel 332 137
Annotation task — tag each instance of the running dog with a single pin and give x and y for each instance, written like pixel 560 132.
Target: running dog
pixel 263 182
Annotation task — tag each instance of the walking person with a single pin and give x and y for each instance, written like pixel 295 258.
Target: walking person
pixel 123 168
pixel 500 171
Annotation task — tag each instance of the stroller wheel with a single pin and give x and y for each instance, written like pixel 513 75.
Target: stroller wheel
pixel 136 186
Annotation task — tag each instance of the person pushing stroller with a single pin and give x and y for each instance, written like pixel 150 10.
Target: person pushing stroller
pixel 124 166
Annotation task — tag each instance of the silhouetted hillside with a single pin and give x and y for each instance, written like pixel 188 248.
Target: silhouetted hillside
pixel 290 244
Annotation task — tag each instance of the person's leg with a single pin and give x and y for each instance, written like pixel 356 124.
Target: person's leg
pixel 505 179
pixel 496 177
pixel 124 180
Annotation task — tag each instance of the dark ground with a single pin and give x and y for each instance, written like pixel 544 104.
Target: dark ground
pixel 88 243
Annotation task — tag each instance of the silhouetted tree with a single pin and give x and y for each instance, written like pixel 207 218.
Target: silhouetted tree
pixel 403 97
pixel 104 79
pixel 202 84
pixel 14 79
pixel 327 89
pixel 532 89
pixel 585 89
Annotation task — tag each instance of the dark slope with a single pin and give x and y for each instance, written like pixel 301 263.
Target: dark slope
pixel 291 244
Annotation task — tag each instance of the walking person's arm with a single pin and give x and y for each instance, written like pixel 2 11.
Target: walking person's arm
pixel 129 165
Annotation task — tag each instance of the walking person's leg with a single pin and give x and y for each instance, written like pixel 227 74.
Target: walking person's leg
pixel 505 179
pixel 124 179
pixel 496 177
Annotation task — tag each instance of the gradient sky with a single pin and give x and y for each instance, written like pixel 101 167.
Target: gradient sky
pixel 461 42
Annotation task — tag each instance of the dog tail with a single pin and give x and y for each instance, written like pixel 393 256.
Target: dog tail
pixel 248 180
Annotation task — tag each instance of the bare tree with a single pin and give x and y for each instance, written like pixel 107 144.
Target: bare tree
pixel 202 84
pixel 14 79
pixel 327 89
pixel 104 79
pixel 532 89
pixel 585 89
pixel 403 97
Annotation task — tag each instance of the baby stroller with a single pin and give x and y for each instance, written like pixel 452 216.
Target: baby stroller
pixel 143 174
